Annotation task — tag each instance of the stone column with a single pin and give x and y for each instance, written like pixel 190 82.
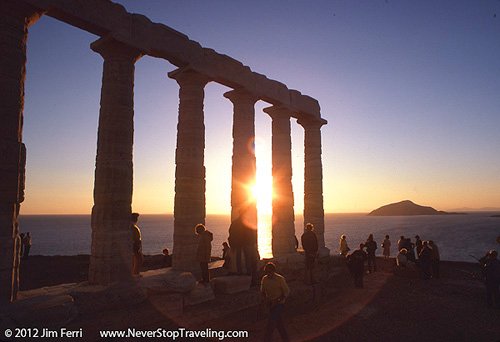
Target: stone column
pixel 189 203
pixel 313 180
pixel 283 215
pixel 15 19
pixel 244 168
pixel 111 254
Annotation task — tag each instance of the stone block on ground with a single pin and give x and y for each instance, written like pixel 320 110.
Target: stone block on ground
pixel 182 282
pixel 200 294
pixel 231 284
pixel 169 305
pixel 48 311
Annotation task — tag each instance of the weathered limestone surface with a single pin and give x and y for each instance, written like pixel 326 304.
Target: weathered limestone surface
pixel 313 180
pixel 15 20
pixel 283 230
pixel 104 17
pixel 189 203
pixel 231 284
pixel 244 168
pixel 200 294
pixel 111 253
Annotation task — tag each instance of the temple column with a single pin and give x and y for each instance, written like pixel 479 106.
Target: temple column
pixel 15 19
pixel 283 230
pixel 189 203
pixel 313 180
pixel 243 169
pixel 111 254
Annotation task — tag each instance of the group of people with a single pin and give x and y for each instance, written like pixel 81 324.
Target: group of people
pixel 25 245
pixel 425 254
pixel 356 260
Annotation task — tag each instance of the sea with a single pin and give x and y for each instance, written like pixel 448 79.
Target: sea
pixel 459 237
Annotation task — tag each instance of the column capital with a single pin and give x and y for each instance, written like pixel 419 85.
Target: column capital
pixel 278 112
pixel 108 47
pixel 187 76
pixel 309 123
pixel 241 95
pixel 20 9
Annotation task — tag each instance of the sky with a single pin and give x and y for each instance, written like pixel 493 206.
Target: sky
pixel 410 90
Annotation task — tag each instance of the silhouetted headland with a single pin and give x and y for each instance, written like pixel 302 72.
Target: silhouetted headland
pixel 407 208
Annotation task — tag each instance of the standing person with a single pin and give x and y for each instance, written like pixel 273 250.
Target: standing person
pixel 356 265
pixel 492 278
pixel 435 258
pixel 27 245
pixel 371 246
pixel 401 242
pixel 274 291
pixel 204 251
pixel 418 244
pixel 21 254
pixel 310 245
pixel 167 258
pixel 410 246
pixel 243 241
pixel 343 248
pixel 386 245
pixel 424 261
pixel 226 250
pixel 137 257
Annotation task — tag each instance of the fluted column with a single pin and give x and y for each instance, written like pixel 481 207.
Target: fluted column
pixel 243 169
pixel 283 230
pixel 313 180
pixel 189 203
pixel 15 19
pixel 111 254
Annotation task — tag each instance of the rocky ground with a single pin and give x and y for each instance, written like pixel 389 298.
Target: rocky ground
pixel 389 308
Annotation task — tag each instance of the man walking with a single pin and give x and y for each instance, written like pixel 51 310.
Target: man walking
pixel 274 290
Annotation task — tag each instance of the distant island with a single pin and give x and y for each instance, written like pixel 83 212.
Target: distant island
pixel 407 208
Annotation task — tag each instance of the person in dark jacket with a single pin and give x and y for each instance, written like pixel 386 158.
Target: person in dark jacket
pixel 492 279
pixel 435 259
pixel 243 241
pixel 424 261
pixel 204 251
pixel 371 246
pixel 356 265
pixel 310 245
pixel 418 244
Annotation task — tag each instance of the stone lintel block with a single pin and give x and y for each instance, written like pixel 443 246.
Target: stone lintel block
pixel 307 105
pixel 231 284
pixel 164 42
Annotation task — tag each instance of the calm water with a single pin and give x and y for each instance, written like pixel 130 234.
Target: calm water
pixel 458 236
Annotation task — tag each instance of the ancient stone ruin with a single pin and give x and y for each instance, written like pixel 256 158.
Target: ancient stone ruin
pixel 124 38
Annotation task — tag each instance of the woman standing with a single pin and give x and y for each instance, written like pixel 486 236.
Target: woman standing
pixel 386 245
pixel 343 248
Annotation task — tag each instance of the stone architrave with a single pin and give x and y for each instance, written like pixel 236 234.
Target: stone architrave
pixel 15 19
pixel 243 169
pixel 313 180
pixel 189 203
pixel 283 228
pixel 111 252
